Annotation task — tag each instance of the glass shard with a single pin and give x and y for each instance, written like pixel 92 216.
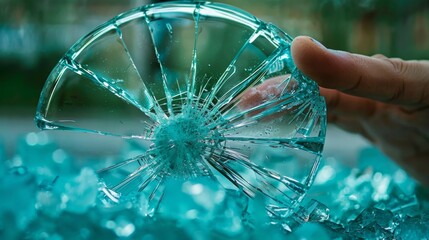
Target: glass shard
pixel 211 91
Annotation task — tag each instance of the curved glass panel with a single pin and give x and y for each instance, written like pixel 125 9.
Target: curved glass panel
pixel 213 92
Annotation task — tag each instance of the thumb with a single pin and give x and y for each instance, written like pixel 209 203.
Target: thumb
pixel 382 79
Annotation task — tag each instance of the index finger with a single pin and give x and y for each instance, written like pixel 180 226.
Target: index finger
pixel 382 79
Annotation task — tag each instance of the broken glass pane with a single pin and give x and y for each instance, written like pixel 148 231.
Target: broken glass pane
pixel 208 89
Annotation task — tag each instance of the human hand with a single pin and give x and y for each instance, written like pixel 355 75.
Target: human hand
pixel 384 99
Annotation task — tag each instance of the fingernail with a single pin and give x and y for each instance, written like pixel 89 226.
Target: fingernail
pixel 333 51
pixel 317 42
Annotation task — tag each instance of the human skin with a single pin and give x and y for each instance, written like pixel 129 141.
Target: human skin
pixel 384 99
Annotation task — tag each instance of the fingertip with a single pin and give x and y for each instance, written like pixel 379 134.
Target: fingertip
pixel 377 78
pixel 306 52
pixel 314 60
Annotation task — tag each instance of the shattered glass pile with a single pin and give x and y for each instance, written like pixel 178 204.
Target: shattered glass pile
pixel 47 194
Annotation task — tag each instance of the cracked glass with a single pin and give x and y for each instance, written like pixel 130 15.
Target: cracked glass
pixel 210 91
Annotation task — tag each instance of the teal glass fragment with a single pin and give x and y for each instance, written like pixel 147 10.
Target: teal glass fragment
pixel 209 90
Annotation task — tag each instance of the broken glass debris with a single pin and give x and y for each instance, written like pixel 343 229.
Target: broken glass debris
pixel 34 208
pixel 18 189
pixel 209 90
pixel 413 227
pixel 80 193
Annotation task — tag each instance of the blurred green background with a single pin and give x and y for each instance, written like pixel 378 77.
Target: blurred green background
pixel 35 34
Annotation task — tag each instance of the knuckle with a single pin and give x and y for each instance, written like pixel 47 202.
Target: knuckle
pixel 400 67
pixel 424 96
pixel 401 70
